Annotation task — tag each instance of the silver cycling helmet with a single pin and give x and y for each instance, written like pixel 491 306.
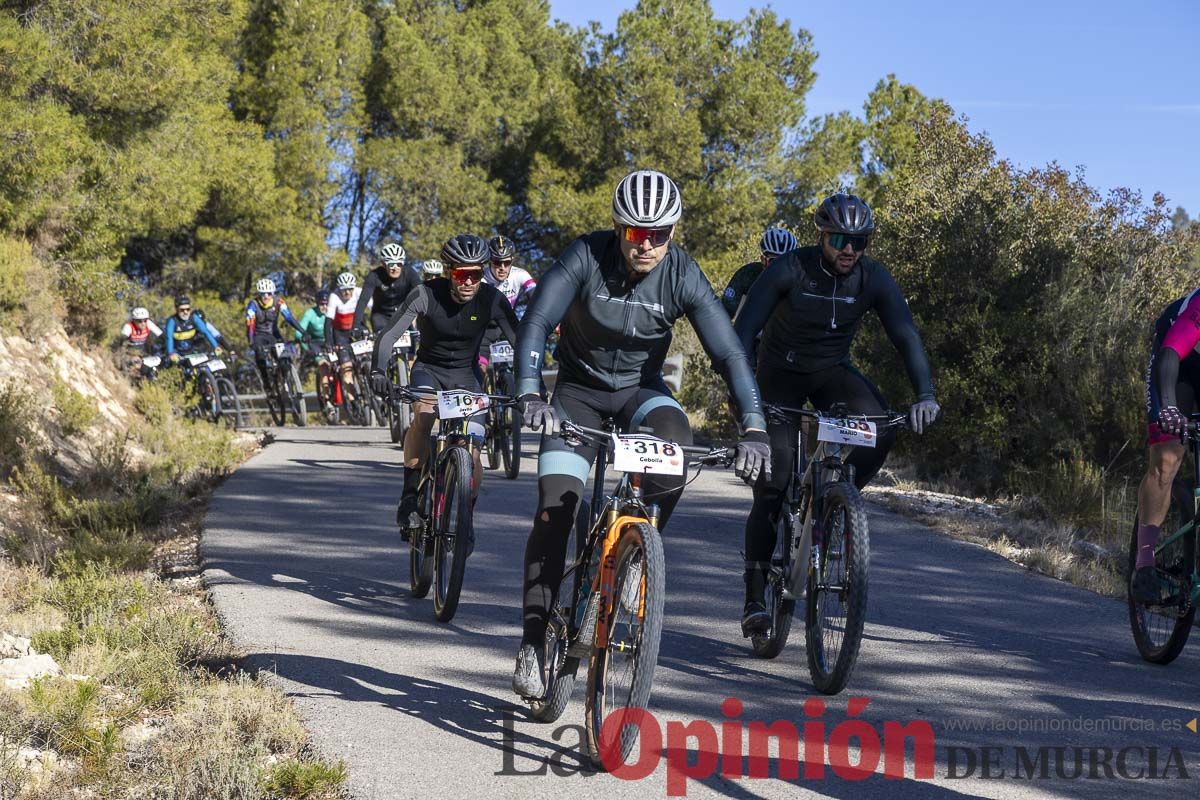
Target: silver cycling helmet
pixel 646 199
pixel 777 241
pixel 346 281
pixel 392 253
pixel 265 286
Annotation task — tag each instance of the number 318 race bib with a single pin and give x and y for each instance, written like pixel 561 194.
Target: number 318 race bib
pixel 638 453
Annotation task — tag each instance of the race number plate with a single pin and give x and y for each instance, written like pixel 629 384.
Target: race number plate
pixel 216 365
pixel 150 362
pixel 196 359
pixel 362 347
pixel 857 432
pixel 280 349
pixel 638 453
pixel 404 341
pixel 333 357
pixel 502 353
pixel 457 403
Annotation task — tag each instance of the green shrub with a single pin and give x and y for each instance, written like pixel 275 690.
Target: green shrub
pixel 16 260
pixel 18 435
pixel 304 780
pixel 76 411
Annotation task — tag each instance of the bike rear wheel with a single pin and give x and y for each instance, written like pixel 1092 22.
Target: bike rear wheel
pixel 420 564
pixel 231 405
pixel 771 643
pixel 1161 632
pixel 837 590
pixel 298 404
pixel 561 668
pixel 621 669
pixel 451 530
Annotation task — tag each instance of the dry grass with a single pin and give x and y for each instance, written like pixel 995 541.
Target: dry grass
pixel 1022 529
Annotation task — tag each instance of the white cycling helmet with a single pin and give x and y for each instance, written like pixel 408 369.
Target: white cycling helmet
pixel 347 281
pixel 391 253
pixel 777 241
pixel 139 314
pixel 265 286
pixel 432 268
pixel 646 198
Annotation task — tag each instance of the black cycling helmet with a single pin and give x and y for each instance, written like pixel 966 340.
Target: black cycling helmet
pixel 465 249
pixel 322 296
pixel 844 213
pixel 182 300
pixel 502 247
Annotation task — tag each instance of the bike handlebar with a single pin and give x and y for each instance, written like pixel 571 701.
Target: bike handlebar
pixel 898 419
pixel 411 395
pixel 603 440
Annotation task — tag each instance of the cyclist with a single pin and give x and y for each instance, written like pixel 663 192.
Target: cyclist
pixel 136 332
pixel 1172 383
pixel 312 328
pixel 180 331
pixel 262 324
pixel 774 243
pixel 385 288
pixel 452 315
pixel 339 315
pixel 617 294
pixel 808 305
pixel 514 283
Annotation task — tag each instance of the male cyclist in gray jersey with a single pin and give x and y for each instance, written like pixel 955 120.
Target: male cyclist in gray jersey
pixel 617 294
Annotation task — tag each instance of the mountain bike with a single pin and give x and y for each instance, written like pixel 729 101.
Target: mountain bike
pixel 822 552
pixel 399 414
pixel 1160 630
pixel 613 615
pixel 363 350
pixel 282 386
pixel 216 397
pixel 347 396
pixel 445 500
pixel 504 422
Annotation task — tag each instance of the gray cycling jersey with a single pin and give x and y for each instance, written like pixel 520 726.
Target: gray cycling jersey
pixel 616 330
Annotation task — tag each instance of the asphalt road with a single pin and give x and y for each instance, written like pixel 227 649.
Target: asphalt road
pixel 308 572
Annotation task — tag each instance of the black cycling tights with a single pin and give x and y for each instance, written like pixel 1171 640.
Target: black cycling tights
pixel 559 494
pixel 837 384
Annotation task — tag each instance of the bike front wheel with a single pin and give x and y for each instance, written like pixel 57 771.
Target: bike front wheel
pixel 451 532
pixel 1160 632
pixel 401 413
pixel 621 669
pixel 836 606
pixel 510 433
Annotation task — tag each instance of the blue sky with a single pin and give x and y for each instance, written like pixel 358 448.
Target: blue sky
pixel 1110 86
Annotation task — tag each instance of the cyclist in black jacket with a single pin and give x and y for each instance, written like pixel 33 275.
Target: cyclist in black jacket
pixel 385 288
pixel 617 294
pixel 452 314
pixel 808 306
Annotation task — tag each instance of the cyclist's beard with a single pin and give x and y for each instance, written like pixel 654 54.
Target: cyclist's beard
pixel 464 293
